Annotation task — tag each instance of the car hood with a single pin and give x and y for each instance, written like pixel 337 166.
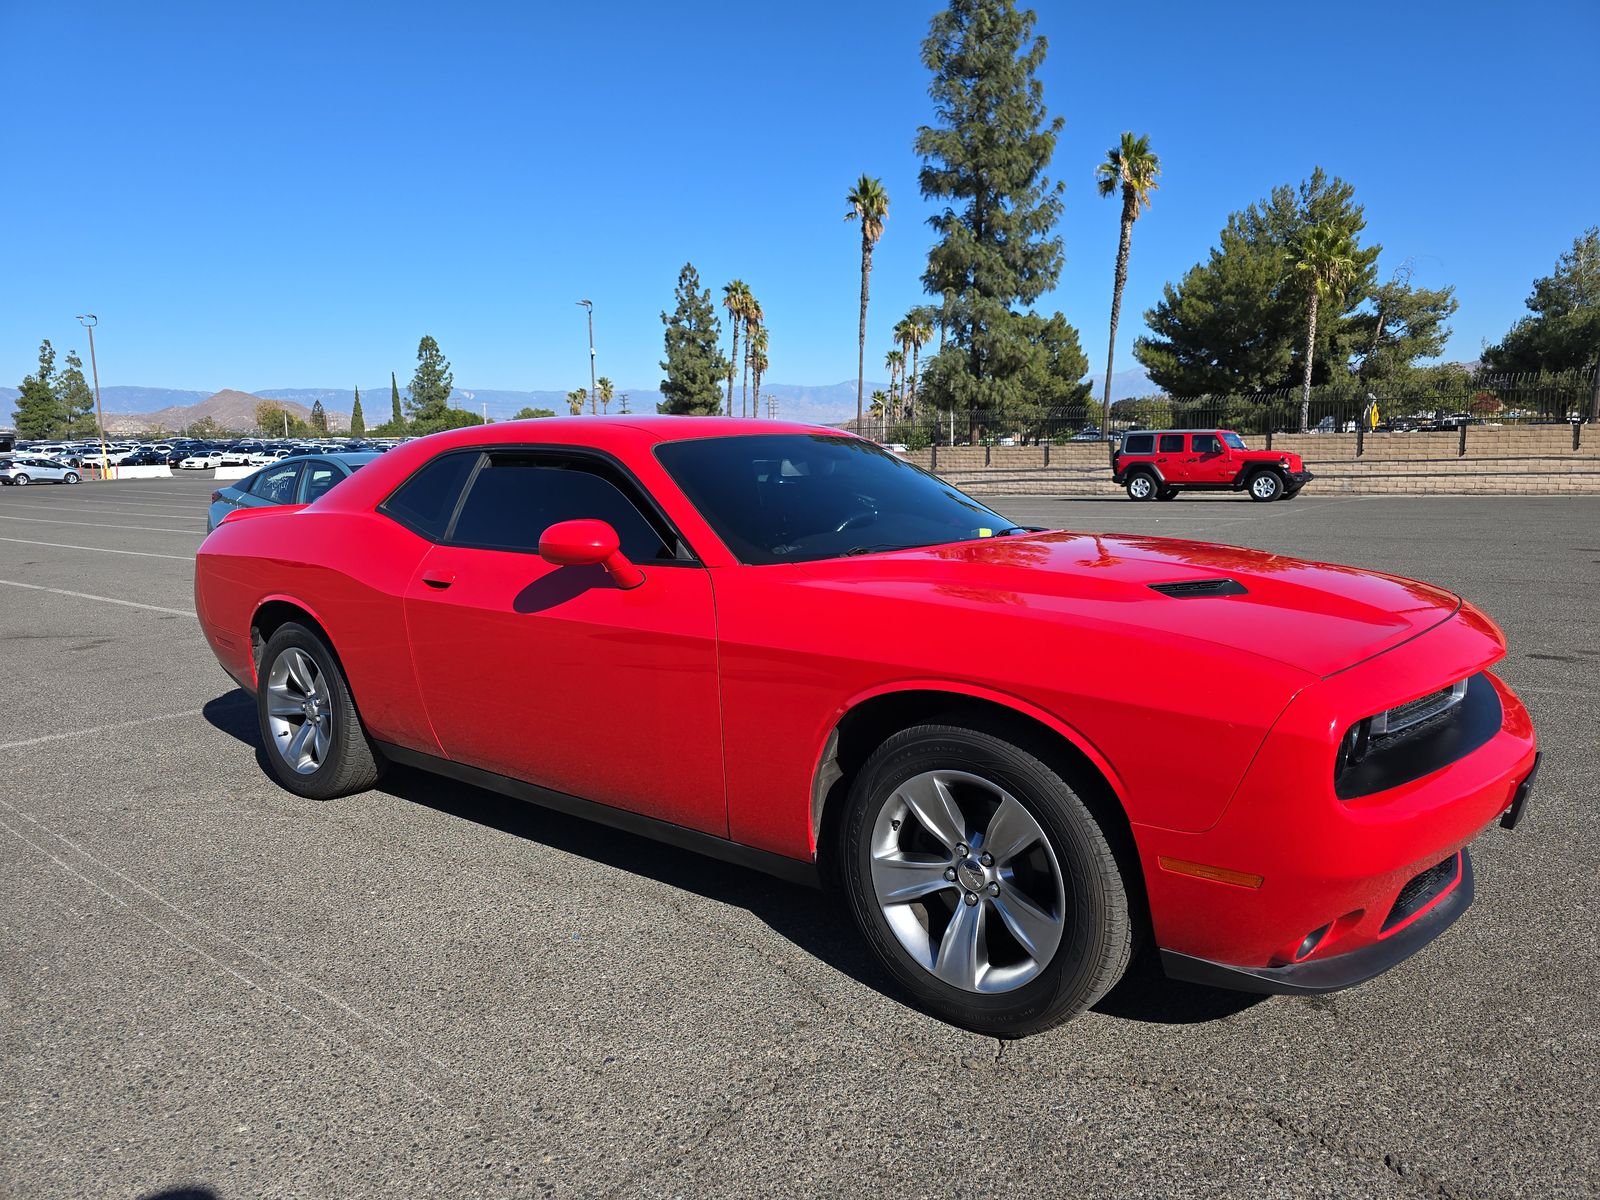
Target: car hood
pixel 1317 617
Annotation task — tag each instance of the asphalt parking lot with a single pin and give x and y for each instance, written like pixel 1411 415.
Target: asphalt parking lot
pixel 207 982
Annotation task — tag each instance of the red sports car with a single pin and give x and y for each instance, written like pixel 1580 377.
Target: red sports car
pixel 1018 754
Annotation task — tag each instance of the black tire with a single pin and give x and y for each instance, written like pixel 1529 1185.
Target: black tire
pixel 1293 492
pixel 1265 486
pixel 1167 493
pixel 20 480
pixel 1096 928
pixel 70 477
pixel 1142 486
pixel 352 764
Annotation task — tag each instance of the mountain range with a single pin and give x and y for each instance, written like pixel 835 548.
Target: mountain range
pixel 129 409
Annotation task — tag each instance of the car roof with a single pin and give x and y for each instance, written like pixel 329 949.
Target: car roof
pixel 1203 429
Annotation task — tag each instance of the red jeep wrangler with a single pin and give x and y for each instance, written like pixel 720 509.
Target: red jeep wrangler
pixel 1158 464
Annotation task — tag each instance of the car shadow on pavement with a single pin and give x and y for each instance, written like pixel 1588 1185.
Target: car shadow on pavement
pixel 813 921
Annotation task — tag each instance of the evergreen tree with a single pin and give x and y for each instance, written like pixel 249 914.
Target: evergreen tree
pixel 358 420
pixel 1236 322
pixel 694 364
pixel 1562 330
pixel 39 413
pixel 984 163
pixel 319 418
pixel 77 400
pixel 529 413
pixel 396 417
pixel 430 387
pixel 1406 323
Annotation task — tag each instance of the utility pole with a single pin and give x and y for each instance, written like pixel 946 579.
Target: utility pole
pixel 588 307
pixel 89 321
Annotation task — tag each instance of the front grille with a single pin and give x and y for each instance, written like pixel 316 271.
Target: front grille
pixel 1422 891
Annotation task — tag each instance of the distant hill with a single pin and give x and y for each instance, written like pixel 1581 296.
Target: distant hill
pixel 1124 384
pixel 230 409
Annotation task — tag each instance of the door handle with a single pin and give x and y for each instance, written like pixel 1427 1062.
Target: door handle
pixel 438 579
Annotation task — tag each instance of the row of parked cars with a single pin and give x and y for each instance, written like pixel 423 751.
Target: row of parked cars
pixel 55 461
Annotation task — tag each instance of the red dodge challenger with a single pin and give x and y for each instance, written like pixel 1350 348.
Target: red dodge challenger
pixel 1018 754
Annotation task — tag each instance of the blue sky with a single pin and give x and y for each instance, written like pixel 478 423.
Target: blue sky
pixel 286 195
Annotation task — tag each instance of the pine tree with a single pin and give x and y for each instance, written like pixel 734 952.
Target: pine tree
pixel 77 400
pixel 694 364
pixel 319 418
pixel 430 386
pixel 358 421
pixel 984 167
pixel 39 413
pixel 396 417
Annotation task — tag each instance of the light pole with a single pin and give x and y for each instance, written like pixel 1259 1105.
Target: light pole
pixel 89 321
pixel 588 306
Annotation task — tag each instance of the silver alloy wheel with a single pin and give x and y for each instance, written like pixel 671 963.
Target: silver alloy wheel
pixel 1141 486
pixel 20 480
pixel 968 881
pixel 1264 486
pixel 299 711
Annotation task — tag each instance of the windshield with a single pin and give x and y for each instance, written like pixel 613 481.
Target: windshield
pixel 1234 440
pixel 794 497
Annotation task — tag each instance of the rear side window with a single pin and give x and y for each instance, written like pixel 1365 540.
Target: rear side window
pixel 275 485
pixel 425 502
pixel 1139 443
pixel 1171 443
pixel 516 497
pixel 320 476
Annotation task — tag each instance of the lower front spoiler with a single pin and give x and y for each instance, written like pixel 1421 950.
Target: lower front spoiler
pixel 1338 971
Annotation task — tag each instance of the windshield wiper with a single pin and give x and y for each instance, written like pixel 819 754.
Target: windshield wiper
pixel 881 547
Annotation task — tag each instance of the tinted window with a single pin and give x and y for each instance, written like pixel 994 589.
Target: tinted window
pixel 1139 443
pixel 1206 443
pixel 791 497
pixel 275 485
pixel 320 476
pixel 1172 443
pixel 426 501
pixel 516 497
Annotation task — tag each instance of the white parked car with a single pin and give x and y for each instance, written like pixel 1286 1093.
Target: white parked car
pixel 236 458
pixel 24 469
pixel 205 460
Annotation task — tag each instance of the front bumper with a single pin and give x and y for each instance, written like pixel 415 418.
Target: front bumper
pixel 1298 479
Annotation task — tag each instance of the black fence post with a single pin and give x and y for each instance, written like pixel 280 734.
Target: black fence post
pixel 1047 454
pixel 935 456
pixel 1269 435
pixel 1361 438
pixel 1461 448
pixel 986 451
pixel 1577 429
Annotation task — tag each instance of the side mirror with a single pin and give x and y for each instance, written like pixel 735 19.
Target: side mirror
pixel 589 543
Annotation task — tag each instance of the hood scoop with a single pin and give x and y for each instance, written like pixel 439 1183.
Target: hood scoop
pixel 1194 589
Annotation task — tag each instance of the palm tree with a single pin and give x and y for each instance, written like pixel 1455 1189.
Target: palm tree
pixel 880 405
pixel 735 298
pixel 752 322
pixel 1327 256
pixel 895 361
pixel 1131 167
pixel 756 355
pixel 603 390
pixel 576 399
pixel 917 336
pixel 902 340
pixel 869 204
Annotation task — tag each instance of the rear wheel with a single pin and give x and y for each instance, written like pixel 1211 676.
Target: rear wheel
pixel 1265 486
pixel 314 740
pixel 982 881
pixel 1142 486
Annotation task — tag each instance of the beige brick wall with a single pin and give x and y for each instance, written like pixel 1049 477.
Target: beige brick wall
pixel 1537 460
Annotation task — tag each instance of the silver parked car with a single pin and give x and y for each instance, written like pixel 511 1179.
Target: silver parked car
pixel 33 468
pixel 289 481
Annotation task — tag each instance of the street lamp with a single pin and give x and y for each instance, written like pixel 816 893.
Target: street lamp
pixel 89 321
pixel 588 306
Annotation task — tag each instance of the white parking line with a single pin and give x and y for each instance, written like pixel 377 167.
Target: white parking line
pixel 101 525
pixel 118 505
pixel 178 512
pixel 188 558
pixel 39 587
pixel 78 733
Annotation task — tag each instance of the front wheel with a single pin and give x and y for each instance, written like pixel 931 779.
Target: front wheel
pixel 315 744
pixel 1167 493
pixel 1142 486
pixel 20 480
pixel 70 477
pixel 982 881
pixel 1266 486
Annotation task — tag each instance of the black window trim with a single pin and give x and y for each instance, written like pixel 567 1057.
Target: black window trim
pixel 632 490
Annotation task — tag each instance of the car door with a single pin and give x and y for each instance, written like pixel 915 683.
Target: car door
pixel 1171 457
pixel 556 675
pixel 1208 460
